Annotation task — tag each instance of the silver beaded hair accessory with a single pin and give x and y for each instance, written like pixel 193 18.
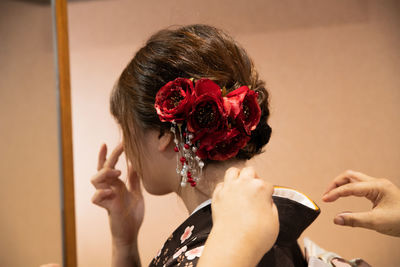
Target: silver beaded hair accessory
pixel 189 165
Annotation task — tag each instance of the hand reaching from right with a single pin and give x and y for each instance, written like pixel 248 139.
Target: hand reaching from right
pixel 384 195
pixel 125 206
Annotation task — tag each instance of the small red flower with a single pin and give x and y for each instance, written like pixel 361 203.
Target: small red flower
pixel 251 111
pixel 173 100
pixel 244 108
pixel 223 146
pixel 235 100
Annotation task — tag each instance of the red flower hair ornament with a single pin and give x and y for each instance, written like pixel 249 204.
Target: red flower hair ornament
pixel 207 123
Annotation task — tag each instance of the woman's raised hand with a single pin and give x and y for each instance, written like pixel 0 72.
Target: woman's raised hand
pixel 384 195
pixel 125 206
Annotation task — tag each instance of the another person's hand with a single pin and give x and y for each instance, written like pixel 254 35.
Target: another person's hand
pixel 384 195
pixel 245 221
pixel 243 205
pixel 125 206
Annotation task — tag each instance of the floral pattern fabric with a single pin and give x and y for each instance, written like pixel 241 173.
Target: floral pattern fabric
pixel 185 245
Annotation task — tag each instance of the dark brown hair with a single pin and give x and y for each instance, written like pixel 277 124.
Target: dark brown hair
pixel 194 51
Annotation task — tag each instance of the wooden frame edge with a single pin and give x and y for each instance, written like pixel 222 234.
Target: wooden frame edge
pixel 66 153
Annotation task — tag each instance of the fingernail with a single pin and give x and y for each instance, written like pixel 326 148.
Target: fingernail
pixel 326 197
pixel 339 220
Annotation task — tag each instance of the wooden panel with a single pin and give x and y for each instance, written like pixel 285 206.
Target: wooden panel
pixel 31 232
pixel 64 84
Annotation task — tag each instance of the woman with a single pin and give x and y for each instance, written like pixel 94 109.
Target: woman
pixel 191 105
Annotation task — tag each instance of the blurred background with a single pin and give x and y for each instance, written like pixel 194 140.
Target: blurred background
pixel 30 222
pixel 332 69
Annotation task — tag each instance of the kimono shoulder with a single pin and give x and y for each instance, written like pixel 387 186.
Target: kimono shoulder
pixel 185 245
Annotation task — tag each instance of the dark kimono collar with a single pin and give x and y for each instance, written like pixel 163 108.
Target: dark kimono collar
pixel 296 212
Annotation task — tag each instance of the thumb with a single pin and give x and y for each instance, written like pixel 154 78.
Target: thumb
pixel 359 219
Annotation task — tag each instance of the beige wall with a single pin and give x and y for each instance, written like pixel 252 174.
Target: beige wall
pixel 30 195
pixel 332 69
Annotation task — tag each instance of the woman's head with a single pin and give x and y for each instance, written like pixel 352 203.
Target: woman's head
pixel 194 51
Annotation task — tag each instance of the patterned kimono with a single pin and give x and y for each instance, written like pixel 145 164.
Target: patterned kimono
pixel 296 212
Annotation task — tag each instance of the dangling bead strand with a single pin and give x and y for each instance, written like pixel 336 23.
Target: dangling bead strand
pixel 189 165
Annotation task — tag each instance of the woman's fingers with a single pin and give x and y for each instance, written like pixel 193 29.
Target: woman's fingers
pixel 113 159
pixel 102 157
pixel 105 176
pixel 101 195
pixel 359 189
pixel 103 162
pixel 348 177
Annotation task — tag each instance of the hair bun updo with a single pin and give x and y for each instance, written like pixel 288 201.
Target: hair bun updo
pixel 194 51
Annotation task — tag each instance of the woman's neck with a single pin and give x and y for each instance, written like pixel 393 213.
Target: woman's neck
pixel 212 175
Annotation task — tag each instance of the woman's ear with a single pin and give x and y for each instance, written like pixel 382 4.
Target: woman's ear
pixel 164 140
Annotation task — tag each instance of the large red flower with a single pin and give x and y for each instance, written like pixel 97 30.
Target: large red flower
pixel 244 108
pixel 207 114
pixel 221 125
pixel 173 100
pixel 223 145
